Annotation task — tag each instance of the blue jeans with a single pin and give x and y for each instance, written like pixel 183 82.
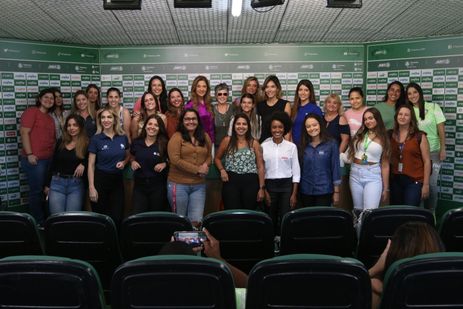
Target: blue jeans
pixel 187 200
pixel 66 194
pixel 405 191
pixel 431 202
pixel 366 185
pixel 36 175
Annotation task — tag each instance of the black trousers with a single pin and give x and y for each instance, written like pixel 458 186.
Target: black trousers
pixel 317 200
pixel 149 195
pixel 279 206
pixel 110 188
pixel 240 191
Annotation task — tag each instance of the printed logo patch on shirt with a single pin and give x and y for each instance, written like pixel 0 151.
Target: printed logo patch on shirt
pixel 321 152
pixel 122 146
pixel 105 147
pixel 156 154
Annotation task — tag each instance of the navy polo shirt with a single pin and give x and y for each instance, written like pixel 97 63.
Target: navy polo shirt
pixel 147 157
pixel 108 151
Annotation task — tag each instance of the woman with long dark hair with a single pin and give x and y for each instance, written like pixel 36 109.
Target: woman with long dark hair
pixel 243 174
pixel 157 87
pixel 174 110
pixel 320 168
pixel 200 100
pixel 190 156
pixel 248 107
pixel 149 162
pixel 394 98
pixel 304 104
pixel 369 153
pixel 66 187
pixel 431 120
pixel 58 113
pixel 148 108
pixel 94 99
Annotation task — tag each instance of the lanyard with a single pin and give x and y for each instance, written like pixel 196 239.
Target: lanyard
pixel 401 149
pixel 366 144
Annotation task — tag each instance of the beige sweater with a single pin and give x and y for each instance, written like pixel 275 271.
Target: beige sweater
pixel 185 158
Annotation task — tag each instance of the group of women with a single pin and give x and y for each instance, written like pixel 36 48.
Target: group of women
pixel 263 149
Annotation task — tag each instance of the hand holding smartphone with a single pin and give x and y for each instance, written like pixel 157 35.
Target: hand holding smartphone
pixel 193 238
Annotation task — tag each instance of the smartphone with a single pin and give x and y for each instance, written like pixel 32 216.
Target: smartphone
pixel 193 238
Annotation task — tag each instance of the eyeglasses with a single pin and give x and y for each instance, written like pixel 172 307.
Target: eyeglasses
pixel 190 119
pixel 222 94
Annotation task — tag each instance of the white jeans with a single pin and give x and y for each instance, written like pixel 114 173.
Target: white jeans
pixel 366 185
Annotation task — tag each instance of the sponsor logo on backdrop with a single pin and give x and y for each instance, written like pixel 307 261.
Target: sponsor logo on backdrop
pixel 9 50
pixel 151 56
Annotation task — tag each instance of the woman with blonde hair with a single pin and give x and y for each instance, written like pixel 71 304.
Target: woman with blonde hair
pixel 108 155
pixel 251 86
pixel 81 107
pixel 336 123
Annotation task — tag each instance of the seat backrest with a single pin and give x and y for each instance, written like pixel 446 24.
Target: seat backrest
pixel 18 234
pixel 48 282
pixel 321 230
pixel 309 281
pixel 86 236
pixel 378 225
pixel 246 237
pixel 144 234
pixel 431 280
pixel 173 281
pixel 451 230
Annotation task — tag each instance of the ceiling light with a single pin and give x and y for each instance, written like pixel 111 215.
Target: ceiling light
pixel 191 4
pixel 237 5
pixel 349 4
pixel 122 4
pixel 265 3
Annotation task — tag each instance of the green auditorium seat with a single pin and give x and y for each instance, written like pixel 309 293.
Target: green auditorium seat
pixel 309 281
pixel 246 237
pixel 46 282
pixel 433 280
pixel 144 234
pixel 18 234
pixel 173 281
pixel 320 230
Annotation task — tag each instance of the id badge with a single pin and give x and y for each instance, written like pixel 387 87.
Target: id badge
pixel 400 167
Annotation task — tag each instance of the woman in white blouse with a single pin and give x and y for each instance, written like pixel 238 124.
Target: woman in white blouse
pixel 282 171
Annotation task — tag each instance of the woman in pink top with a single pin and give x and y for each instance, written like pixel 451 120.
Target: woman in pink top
pixel 200 100
pixel 38 140
pixel 354 115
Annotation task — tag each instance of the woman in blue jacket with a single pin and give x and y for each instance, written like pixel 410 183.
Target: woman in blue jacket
pixel 320 170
